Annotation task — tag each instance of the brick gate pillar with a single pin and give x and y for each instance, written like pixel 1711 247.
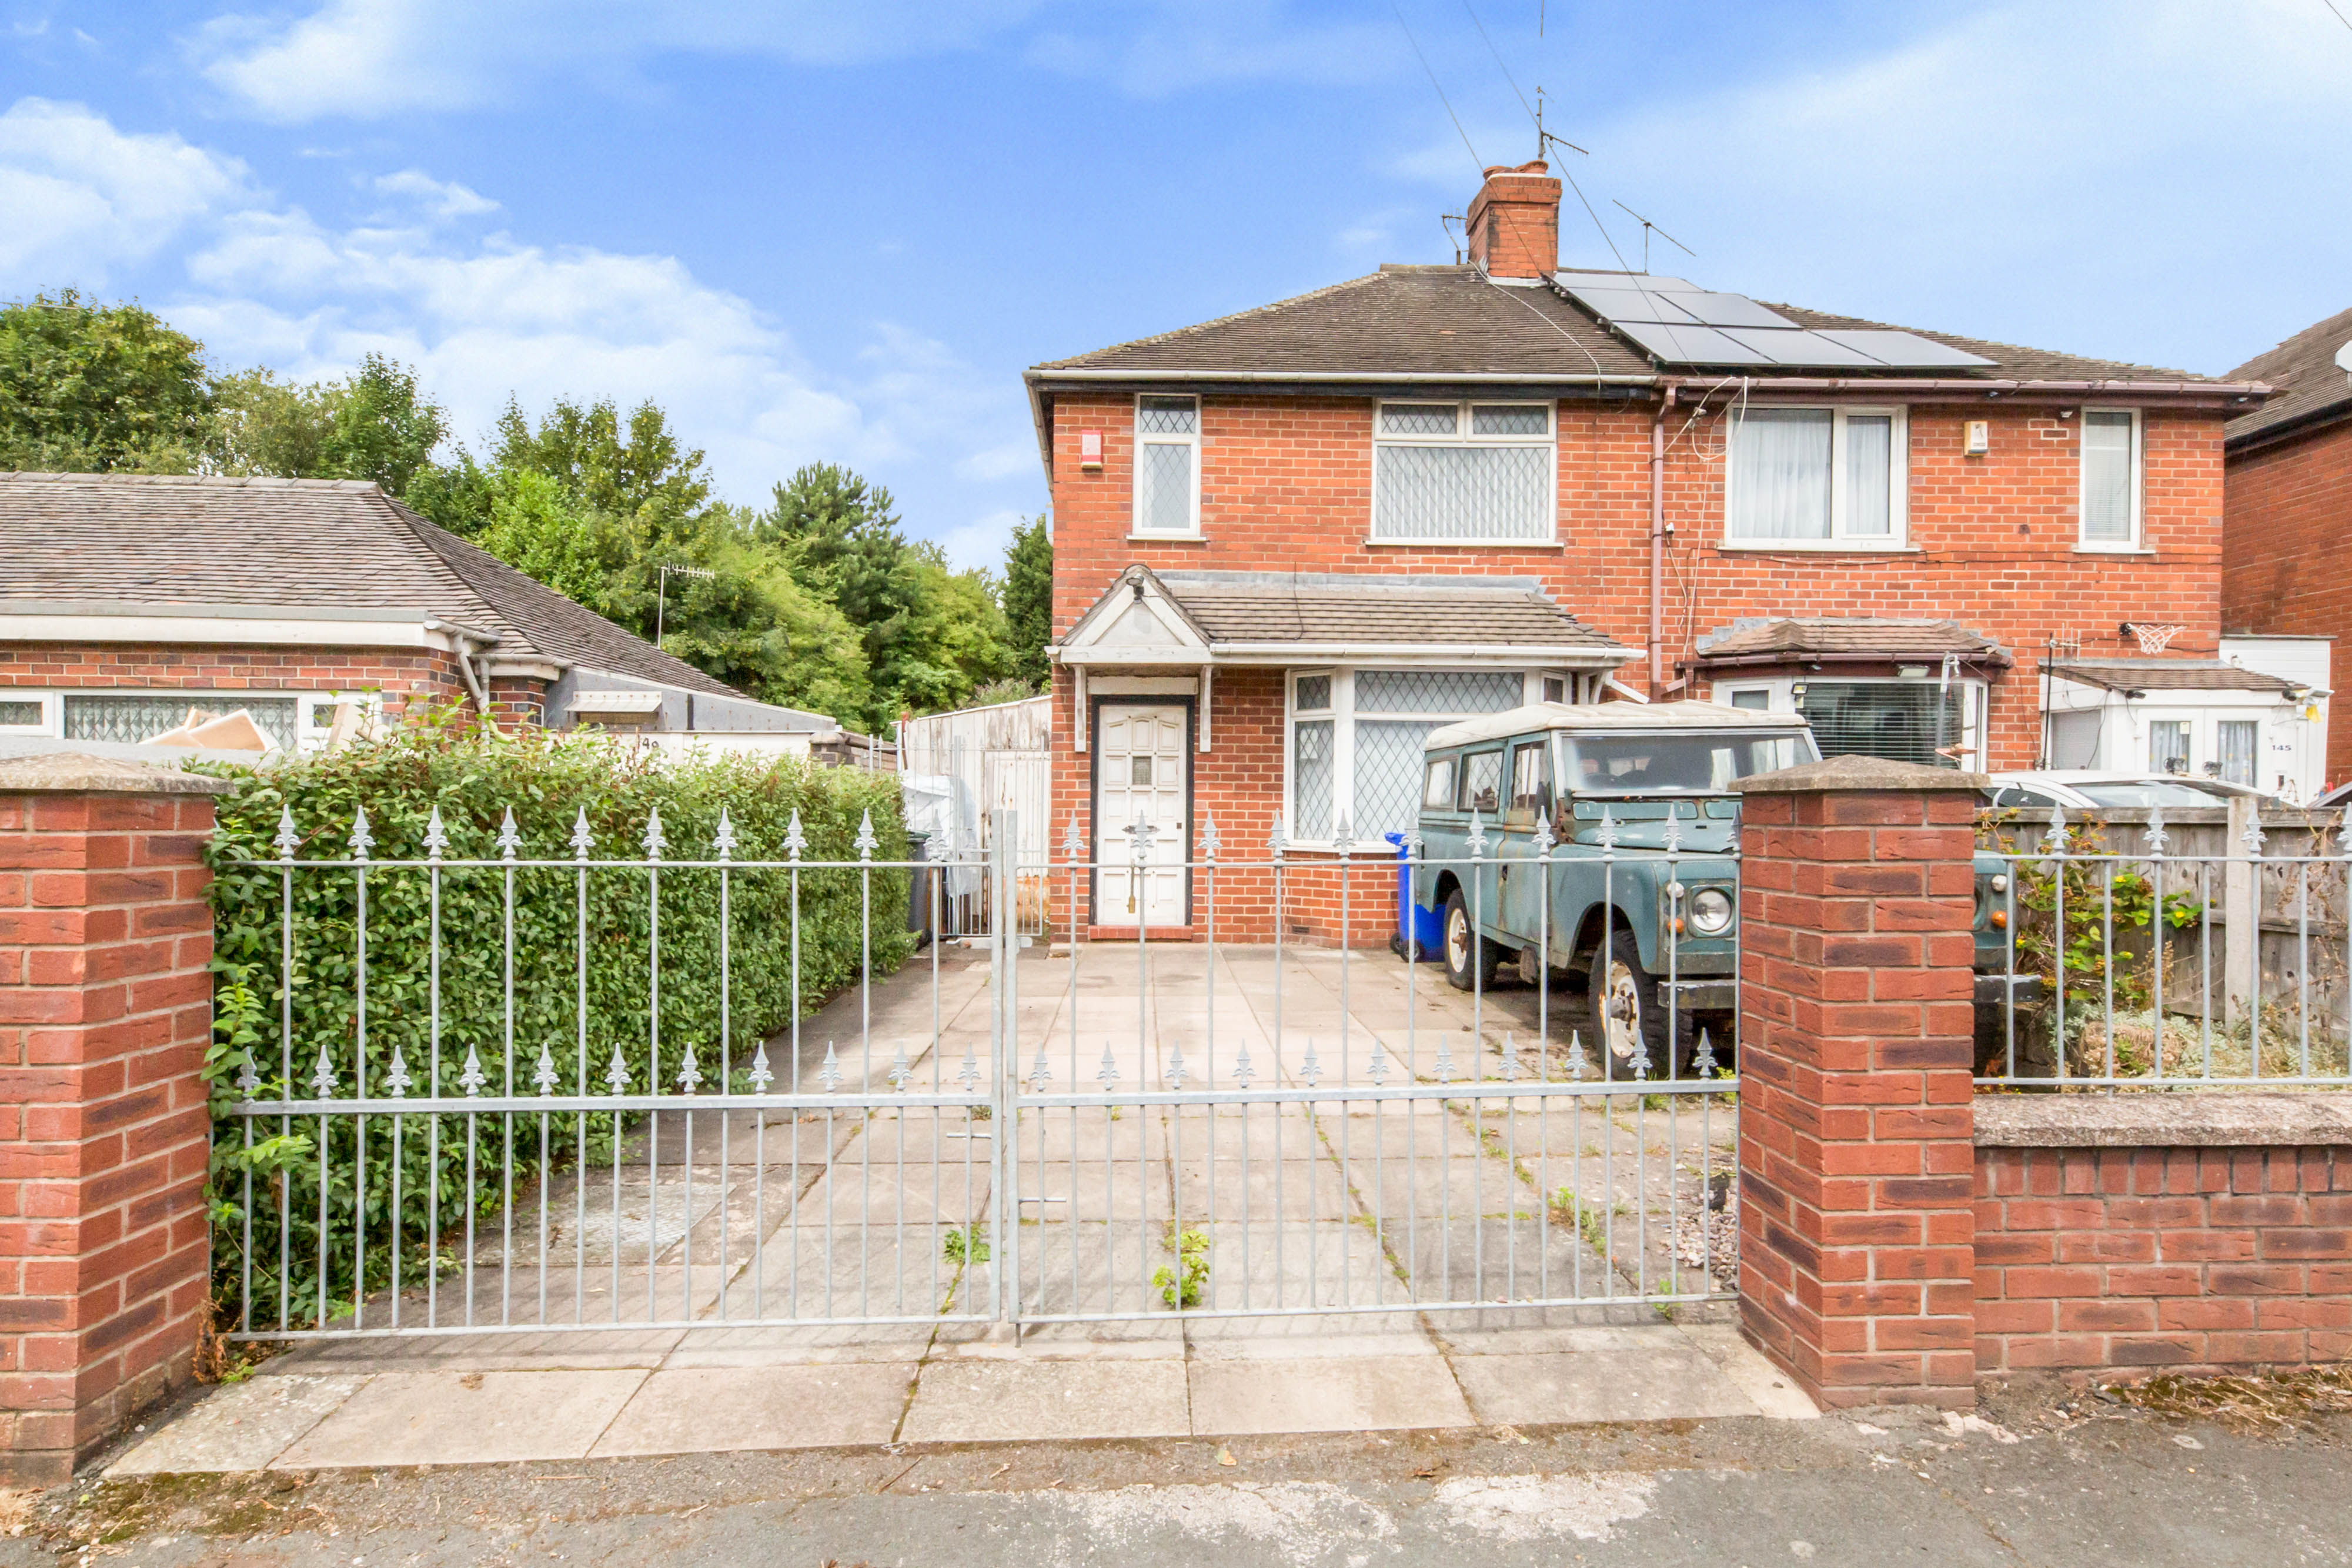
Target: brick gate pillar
pixel 1857 1158
pixel 105 1012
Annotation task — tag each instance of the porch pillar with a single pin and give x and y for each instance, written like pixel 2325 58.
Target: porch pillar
pixel 105 1013
pixel 1856 1159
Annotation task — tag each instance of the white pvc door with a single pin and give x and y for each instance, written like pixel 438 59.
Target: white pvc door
pixel 1140 777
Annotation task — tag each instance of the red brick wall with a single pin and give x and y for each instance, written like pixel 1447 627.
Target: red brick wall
pixel 2184 1260
pixel 105 1011
pixel 1286 484
pixel 2289 509
pixel 1855 1121
pixel 403 675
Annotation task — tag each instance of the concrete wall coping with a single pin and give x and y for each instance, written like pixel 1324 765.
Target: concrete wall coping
pixel 2145 1118
pixel 78 773
pixel 1859 775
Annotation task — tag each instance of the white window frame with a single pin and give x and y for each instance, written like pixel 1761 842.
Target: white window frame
pixel 50 708
pixel 1462 436
pixel 2138 466
pixel 1135 479
pixel 1781 697
pixel 1898 536
pixel 1342 716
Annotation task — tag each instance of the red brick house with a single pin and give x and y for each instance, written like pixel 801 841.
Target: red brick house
pixel 125 601
pixel 2288 501
pixel 1290 542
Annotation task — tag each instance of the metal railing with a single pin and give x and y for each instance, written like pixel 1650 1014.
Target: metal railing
pixel 1245 1125
pixel 2125 960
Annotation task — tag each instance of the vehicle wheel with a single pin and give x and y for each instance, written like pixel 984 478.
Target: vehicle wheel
pixel 1470 959
pixel 1627 1018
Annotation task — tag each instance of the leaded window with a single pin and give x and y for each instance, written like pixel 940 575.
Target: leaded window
pixel 1465 472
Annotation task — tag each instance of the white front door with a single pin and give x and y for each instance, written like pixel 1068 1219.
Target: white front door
pixel 1140 777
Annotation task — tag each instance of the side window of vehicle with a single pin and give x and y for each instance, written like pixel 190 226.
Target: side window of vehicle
pixel 1437 785
pixel 2016 796
pixel 1531 784
pixel 1482 783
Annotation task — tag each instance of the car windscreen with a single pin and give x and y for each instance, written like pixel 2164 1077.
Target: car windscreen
pixel 1640 763
pixel 2154 792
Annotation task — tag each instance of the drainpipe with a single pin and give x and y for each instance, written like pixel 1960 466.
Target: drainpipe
pixel 473 687
pixel 1658 545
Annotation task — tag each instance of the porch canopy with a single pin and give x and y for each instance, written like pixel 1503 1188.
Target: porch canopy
pixel 1826 641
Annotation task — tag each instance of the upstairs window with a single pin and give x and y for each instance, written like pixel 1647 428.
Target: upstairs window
pixel 1166 465
pixel 1817 477
pixel 2110 478
pixel 1464 473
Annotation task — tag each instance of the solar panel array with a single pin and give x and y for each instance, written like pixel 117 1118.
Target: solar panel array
pixel 1679 323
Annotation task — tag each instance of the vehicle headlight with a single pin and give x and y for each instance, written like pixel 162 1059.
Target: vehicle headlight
pixel 1999 882
pixel 1710 911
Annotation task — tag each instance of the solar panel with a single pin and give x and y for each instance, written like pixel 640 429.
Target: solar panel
pixel 1795 346
pixel 1727 309
pixel 1627 305
pixel 1902 350
pixel 1692 345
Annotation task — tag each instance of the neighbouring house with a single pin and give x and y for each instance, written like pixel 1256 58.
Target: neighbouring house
pixel 2288 501
pixel 127 601
pixel 1289 543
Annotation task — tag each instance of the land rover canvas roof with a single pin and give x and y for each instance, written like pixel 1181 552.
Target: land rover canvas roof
pixel 1607 718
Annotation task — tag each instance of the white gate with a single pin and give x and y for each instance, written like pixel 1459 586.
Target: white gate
pixel 1229 1128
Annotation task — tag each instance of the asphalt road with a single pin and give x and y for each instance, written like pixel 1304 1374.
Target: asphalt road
pixel 2062 1480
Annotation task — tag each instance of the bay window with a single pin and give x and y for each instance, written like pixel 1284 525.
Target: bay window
pixel 1464 473
pixel 1816 477
pixel 1356 736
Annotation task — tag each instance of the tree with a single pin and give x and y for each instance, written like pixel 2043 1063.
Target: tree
pixel 373 424
pixel 636 471
pixel 544 533
pixel 90 388
pixel 1029 600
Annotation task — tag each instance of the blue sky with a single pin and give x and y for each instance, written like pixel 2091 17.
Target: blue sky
pixel 840 231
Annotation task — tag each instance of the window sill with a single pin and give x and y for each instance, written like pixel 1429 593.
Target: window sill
pixel 1465 544
pixel 2112 549
pixel 1167 538
pixel 1815 546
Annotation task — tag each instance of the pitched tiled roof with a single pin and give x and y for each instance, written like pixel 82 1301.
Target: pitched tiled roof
pixel 1449 320
pixel 2310 385
pixel 2169 676
pixel 1311 608
pixel 1861 636
pixel 298 544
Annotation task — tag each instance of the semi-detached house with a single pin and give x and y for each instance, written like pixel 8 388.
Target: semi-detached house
pixel 1289 543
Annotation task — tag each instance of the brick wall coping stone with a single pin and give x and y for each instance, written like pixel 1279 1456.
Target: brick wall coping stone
pixel 2145 1119
pixel 1859 775
pixel 78 773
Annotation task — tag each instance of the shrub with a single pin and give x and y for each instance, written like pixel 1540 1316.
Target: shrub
pixel 565 944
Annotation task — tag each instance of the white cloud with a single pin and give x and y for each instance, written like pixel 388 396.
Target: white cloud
pixel 369 59
pixel 82 197
pixel 487 319
pixel 442 198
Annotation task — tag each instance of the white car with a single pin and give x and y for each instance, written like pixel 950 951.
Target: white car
pixel 2091 790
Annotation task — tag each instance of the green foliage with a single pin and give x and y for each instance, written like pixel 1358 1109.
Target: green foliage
pixel 634 470
pixel 90 388
pixel 1029 600
pixel 473 777
pixel 965 1244
pixel 1192 1254
pixel 373 425
pixel 2078 914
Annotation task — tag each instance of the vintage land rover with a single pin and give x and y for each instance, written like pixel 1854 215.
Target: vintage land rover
pixel 1639 905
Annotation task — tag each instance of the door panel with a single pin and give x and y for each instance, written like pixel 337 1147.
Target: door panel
pixel 1141 770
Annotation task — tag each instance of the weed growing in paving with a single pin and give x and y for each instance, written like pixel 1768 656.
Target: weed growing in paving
pixel 965 1244
pixel 1192 1254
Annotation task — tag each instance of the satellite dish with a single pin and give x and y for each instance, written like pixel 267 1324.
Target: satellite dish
pixel 2343 359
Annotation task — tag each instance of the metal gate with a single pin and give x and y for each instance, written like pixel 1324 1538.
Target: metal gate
pixel 1254 1123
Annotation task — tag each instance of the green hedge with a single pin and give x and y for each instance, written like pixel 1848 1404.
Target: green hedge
pixel 474 779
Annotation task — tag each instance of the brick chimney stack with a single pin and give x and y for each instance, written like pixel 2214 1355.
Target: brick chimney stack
pixel 1515 222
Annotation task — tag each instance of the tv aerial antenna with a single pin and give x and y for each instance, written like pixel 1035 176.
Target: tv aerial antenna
pixel 1646 226
pixel 1544 140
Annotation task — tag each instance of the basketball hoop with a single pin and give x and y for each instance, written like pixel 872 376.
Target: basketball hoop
pixel 2153 637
